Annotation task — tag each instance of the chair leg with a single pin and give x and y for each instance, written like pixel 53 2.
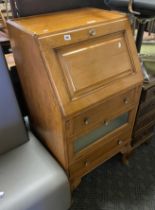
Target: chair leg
pixel 140 34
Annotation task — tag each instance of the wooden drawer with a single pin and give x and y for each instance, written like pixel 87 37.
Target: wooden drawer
pixel 145 120
pixel 146 107
pixel 112 146
pixel 142 133
pixel 139 141
pixel 89 30
pixel 148 92
pixel 102 113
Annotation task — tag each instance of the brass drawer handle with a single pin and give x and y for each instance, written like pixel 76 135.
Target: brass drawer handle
pixel 86 163
pixel 92 32
pixel 120 142
pixel 106 123
pixel 86 121
pixel 126 100
pixel 119 44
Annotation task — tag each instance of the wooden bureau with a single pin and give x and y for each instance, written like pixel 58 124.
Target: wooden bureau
pixel 81 78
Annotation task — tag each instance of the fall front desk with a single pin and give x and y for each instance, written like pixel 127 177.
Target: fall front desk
pixel 81 78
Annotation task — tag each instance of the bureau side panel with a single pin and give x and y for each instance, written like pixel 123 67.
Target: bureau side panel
pixel 46 119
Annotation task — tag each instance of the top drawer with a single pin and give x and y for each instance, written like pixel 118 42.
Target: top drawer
pixel 102 113
pixel 84 32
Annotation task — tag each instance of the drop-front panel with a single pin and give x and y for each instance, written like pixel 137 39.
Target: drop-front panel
pixel 81 78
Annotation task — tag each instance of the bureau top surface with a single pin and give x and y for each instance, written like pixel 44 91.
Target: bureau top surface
pixel 60 21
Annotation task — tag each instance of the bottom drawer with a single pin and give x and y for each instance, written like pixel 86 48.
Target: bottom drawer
pixel 99 155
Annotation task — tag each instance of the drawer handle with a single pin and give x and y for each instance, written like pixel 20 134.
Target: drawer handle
pixel 86 163
pixel 126 100
pixel 106 123
pixel 120 142
pixel 119 44
pixel 86 121
pixel 92 32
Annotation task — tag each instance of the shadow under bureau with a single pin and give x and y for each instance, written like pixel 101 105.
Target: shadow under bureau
pixel 81 78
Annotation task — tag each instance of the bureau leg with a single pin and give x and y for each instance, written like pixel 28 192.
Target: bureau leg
pixel 126 155
pixel 125 159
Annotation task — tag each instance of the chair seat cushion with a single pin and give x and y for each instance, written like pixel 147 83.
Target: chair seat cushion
pixel 145 7
pixel 32 180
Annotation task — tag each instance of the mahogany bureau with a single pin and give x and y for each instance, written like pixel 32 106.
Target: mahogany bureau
pixel 81 78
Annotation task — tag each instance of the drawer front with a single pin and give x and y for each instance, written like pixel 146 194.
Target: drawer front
pixel 141 134
pixel 148 94
pixel 146 107
pixel 138 141
pixel 86 32
pixel 99 155
pixel 100 132
pixel 102 113
pixel 145 120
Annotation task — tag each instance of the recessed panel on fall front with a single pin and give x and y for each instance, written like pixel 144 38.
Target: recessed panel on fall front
pixel 91 64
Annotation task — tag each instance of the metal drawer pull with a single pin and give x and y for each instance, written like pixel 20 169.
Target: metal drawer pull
pixel 119 44
pixel 86 121
pixel 86 163
pixel 106 123
pixel 120 142
pixel 126 100
pixel 92 32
